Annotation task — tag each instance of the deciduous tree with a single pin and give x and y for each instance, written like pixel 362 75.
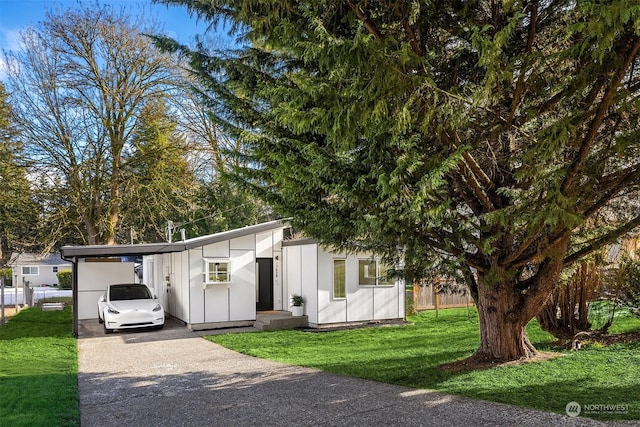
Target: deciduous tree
pixel 486 134
pixel 80 82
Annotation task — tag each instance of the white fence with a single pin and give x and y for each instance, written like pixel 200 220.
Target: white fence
pixel 11 295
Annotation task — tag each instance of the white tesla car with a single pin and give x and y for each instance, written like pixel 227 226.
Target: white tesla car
pixel 129 305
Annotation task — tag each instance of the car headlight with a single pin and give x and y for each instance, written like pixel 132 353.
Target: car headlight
pixel 158 307
pixel 112 310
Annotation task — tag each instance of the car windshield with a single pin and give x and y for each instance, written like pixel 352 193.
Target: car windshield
pixel 128 292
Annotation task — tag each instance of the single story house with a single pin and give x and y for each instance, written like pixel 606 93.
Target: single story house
pixel 226 279
pixel 36 269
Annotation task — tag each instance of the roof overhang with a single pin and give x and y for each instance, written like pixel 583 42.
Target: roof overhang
pixel 99 251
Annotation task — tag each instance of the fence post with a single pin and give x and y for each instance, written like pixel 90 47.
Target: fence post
pixel 1 301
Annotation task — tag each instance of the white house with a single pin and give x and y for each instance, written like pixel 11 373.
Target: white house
pixel 226 279
pixel 36 269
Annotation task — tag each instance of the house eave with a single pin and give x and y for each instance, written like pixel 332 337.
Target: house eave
pixel 141 249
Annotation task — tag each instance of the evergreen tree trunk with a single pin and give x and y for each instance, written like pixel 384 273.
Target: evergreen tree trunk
pixel 502 324
pixel 506 306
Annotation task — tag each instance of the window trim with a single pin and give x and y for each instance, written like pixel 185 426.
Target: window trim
pixel 333 280
pixel 30 273
pixel 206 273
pixel 378 278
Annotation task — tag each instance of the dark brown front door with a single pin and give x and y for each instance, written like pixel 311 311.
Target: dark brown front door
pixel 265 284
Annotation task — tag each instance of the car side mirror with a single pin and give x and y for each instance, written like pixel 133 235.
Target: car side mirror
pixel 102 298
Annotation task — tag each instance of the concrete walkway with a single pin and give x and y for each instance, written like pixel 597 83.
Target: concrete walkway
pixel 175 378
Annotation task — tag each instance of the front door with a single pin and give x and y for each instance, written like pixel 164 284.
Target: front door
pixel 265 284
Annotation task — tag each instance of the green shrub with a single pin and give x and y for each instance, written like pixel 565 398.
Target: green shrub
pixel 410 307
pixel 65 279
pixel 6 274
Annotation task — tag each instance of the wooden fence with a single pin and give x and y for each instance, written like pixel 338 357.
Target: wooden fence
pixel 429 296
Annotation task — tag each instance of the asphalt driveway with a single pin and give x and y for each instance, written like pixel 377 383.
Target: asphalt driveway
pixel 174 378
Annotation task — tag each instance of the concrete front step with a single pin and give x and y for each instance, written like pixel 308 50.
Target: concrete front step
pixel 274 321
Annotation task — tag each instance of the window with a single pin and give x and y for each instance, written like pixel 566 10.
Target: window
pixel 384 277
pixel 366 272
pixel 217 271
pixel 32 270
pixel 372 272
pixel 339 279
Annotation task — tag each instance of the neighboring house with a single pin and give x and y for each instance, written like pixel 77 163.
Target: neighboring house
pixel 226 279
pixel 37 270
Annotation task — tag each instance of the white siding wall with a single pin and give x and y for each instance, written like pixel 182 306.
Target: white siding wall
pixel 45 275
pixel 308 266
pixel 93 279
pixel 242 291
pixel 292 275
pixel 309 281
pixel 329 310
pixel 196 293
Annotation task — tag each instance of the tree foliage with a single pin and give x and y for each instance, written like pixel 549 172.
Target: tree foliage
pixel 18 211
pixel 80 82
pixel 488 135
pixel 158 182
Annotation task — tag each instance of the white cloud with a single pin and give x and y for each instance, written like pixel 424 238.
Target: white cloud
pixel 9 39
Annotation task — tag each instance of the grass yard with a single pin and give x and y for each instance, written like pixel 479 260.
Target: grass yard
pixel 410 356
pixel 38 370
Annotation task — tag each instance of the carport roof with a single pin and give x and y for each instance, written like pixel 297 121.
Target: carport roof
pixel 94 251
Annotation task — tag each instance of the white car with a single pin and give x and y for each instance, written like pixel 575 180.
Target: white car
pixel 129 305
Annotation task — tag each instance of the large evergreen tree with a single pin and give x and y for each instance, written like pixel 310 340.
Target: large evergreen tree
pixel 158 183
pixel 482 133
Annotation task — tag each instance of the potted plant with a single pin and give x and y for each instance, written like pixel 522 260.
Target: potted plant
pixel 297 305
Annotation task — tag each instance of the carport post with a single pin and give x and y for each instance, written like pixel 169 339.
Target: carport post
pixel 74 293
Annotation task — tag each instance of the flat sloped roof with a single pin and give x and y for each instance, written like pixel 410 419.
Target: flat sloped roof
pixel 96 251
pixel 25 258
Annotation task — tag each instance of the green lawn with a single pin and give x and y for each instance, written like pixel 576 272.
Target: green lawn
pixel 38 370
pixel 410 356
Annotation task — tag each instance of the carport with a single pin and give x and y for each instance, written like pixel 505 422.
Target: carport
pixel 103 259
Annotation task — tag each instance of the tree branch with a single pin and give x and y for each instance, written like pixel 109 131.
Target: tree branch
pixel 601 241
pixel 605 103
pixel 366 21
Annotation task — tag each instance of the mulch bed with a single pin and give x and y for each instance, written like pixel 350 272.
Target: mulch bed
pixel 477 361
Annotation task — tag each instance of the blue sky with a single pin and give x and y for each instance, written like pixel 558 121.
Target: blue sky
pixel 18 14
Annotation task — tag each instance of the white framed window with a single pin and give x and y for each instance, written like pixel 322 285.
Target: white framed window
pixel 217 271
pixel 372 272
pixel 31 270
pixel 339 279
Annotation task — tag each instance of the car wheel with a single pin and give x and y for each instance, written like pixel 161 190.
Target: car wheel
pixel 159 327
pixel 100 318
